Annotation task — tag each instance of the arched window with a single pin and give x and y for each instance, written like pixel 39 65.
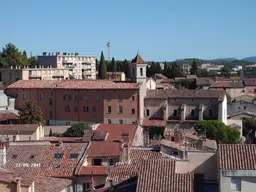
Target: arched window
pixel 141 71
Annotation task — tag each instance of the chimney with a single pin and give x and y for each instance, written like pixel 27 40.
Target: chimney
pixel 178 136
pixel 92 183
pixel 2 153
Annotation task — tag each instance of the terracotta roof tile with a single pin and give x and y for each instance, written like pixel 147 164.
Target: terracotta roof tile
pixel 45 160
pixel 185 93
pixel 204 81
pixel 93 170
pixel 250 82
pixel 72 84
pixel 7 116
pixel 42 184
pixel 103 149
pixel 94 135
pixel 18 128
pixel 155 123
pixel 237 157
pixel 160 176
pixel 115 131
pixel 138 60
pixel 227 84
pixel 130 169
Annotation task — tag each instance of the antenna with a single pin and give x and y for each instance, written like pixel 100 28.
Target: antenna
pixel 108 45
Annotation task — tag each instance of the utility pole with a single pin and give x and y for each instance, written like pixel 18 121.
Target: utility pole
pixel 108 45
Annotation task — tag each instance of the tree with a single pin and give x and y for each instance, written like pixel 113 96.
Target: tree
pixel 226 71
pixel 113 65
pixel 32 62
pixel 30 113
pixel 176 70
pixel 11 56
pixel 165 69
pixel 126 68
pixel 50 134
pixel 102 74
pixel 194 68
pixel 76 130
pixel 248 126
pixel 218 131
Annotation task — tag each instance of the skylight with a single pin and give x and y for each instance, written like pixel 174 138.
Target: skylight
pixel 58 155
pixel 74 156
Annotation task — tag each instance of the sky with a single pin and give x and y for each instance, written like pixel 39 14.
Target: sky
pixel 160 30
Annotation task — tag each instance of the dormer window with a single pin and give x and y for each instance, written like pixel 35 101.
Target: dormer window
pixel 74 156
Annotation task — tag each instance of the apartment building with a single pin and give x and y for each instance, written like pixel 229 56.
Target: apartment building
pixel 9 76
pixel 64 102
pixel 81 67
pixel 186 105
pixel 248 71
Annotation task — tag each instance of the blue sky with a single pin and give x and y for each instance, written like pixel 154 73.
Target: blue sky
pixel 158 29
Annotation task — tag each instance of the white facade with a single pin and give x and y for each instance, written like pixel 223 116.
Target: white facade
pixel 151 84
pixel 223 111
pixel 81 67
pixel 237 181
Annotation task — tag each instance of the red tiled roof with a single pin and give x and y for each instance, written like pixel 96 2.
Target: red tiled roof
pixel 155 123
pixel 138 60
pixel 161 76
pixel 103 149
pixel 136 156
pixel 185 93
pixel 93 170
pixel 204 80
pixel 227 84
pixel 115 131
pixel 160 176
pixel 237 157
pixel 42 184
pixel 250 66
pixel 18 128
pixel 7 116
pixel 39 160
pixel 61 138
pixel 72 84
pixel 94 135
pixel 250 82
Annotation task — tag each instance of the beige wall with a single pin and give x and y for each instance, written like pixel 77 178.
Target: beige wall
pixel 232 92
pixel 203 162
pixel 4 187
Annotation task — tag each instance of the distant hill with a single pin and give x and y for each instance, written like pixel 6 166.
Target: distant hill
pixel 250 59
pixel 226 59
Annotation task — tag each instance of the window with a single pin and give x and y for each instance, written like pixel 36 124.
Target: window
pixel 58 155
pixel 64 97
pixel 109 121
pixel 50 114
pixel 74 156
pixel 192 113
pixel 147 112
pixel 120 98
pixel 141 71
pixel 41 97
pixel 30 96
pixel 51 92
pixel 96 162
pixel 23 96
pixel 120 109
pixel 109 109
pixel 133 111
pixel 30 138
pixel 133 98
pixel 87 99
pixel 111 162
pixel 210 112
pixel 50 102
pixel 244 107
pixel 98 98
pixel 235 184
pixel 93 109
pixel 76 108
pixel 68 109
pixel 175 112
pixel 86 109
pixel 75 97
pixel 121 121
